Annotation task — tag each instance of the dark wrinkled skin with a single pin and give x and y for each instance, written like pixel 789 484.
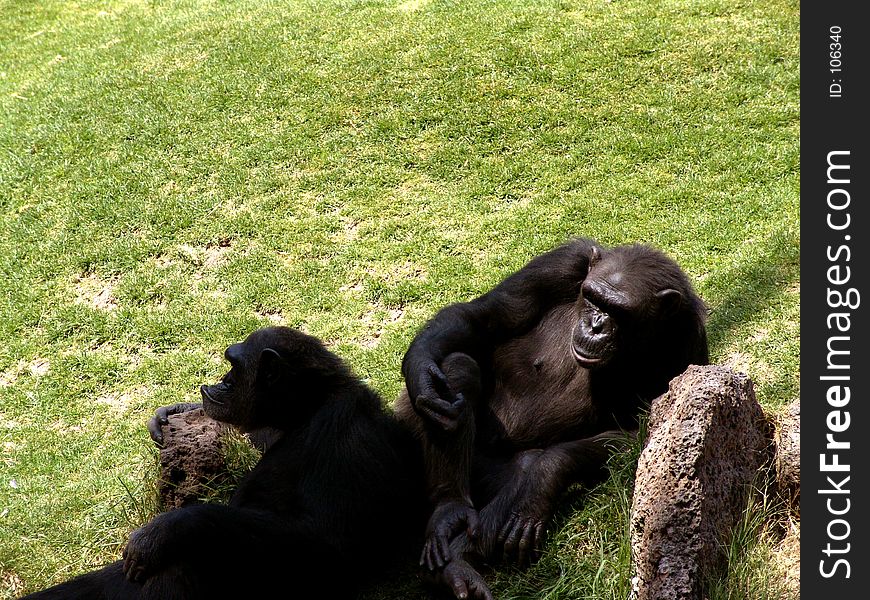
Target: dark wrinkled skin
pixel 525 390
pixel 161 418
pixel 447 521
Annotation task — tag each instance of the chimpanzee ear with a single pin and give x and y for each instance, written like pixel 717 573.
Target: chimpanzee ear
pixel 669 301
pixel 594 257
pixel 272 365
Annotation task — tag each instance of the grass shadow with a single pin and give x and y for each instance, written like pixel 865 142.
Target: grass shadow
pixel 741 293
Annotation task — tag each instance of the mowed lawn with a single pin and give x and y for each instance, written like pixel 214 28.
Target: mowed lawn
pixel 176 174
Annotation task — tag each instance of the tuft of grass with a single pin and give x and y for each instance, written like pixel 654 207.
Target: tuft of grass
pixel 239 458
pixel 762 555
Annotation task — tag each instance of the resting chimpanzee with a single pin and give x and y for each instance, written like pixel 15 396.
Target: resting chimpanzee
pixel 517 394
pixel 331 498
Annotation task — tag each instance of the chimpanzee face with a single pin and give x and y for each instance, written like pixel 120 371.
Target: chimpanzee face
pixel 276 377
pixel 232 400
pixel 620 310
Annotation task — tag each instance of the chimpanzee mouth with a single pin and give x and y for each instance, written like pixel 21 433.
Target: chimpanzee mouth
pixel 206 396
pixel 584 359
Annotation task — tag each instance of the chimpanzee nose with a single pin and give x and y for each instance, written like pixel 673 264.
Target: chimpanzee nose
pixel 597 323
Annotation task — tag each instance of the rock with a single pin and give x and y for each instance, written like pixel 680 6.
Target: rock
pixel 788 456
pixel 191 459
pixel 707 441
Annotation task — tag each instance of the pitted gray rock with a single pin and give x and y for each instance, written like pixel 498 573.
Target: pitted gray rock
pixel 788 456
pixel 708 441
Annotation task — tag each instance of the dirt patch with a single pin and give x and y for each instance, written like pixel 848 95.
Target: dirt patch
pixel 376 322
pixel 208 257
pixel 9 376
pixel 122 401
pixel 395 273
pixel 357 287
pixel 38 367
pixel 95 292
pixel 349 231
pixel 274 317
pixel 10 582
pixel 406 270
pixel 64 428
pixel 10 450
pixel 202 258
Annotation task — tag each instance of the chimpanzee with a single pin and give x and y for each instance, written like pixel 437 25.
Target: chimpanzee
pixel 328 502
pixel 519 393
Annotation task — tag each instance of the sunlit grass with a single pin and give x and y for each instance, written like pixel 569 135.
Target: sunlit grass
pixel 175 174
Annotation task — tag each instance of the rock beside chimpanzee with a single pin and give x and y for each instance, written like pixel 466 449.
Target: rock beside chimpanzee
pixel 708 441
pixel 788 456
pixel 191 459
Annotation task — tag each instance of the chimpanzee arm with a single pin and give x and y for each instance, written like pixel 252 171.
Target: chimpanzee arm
pixel 539 487
pixel 443 397
pixel 510 309
pixel 215 529
pixel 262 438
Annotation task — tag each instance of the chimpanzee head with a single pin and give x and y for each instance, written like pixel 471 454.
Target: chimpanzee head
pixel 278 376
pixel 632 299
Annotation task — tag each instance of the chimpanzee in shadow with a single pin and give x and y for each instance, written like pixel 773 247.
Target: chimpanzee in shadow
pixel 519 393
pixel 338 491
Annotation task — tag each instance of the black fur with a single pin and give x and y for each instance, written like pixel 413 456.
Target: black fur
pixel 329 502
pixel 521 392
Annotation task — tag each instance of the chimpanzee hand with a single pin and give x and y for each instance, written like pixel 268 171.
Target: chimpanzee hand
pixel 465 582
pixel 522 534
pixel 147 549
pixel 449 519
pixel 433 399
pixel 161 418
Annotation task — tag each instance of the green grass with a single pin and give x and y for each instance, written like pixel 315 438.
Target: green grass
pixel 174 174
pixel 758 554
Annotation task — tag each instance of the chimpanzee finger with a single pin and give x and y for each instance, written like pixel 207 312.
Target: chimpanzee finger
pixel 441 550
pixel 439 405
pixel 512 540
pixel 459 587
pixel 443 413
pixel 472 522
pixel 161 418
pixel 439 382
pixel 132 571
pixel 481 592
pixel 505 530
pixel 525 544
pixel 443 534
pixel 448 425
pixel 427 558
pixel 155 430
